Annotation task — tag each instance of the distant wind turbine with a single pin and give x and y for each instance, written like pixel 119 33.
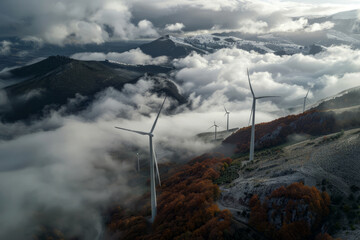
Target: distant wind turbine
pixel 215 130
pixel 305 98
pixel 153 162
pixel 252 115
pixel 227 123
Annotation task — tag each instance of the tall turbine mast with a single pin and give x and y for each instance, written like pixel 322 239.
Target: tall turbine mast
pixel 138 162
pixel 153 162
pixel 305 99
pixel 252 115
pixel 227 122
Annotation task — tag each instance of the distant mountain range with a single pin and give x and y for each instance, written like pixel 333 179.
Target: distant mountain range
pixel 50 83
pixel 345 30
pixel 342 28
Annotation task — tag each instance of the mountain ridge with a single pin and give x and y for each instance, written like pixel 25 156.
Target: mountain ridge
pixel 61 78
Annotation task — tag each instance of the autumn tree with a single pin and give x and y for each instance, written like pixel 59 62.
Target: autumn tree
pixel 294 212
pixel 186 206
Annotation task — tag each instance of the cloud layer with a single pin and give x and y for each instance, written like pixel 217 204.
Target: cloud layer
pixel 63 171
pixel 220 78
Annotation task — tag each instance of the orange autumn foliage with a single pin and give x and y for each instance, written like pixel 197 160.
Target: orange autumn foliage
pixel 186 206
pixel 294 212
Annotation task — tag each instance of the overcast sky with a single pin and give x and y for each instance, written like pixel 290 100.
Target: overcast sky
pixel 93 21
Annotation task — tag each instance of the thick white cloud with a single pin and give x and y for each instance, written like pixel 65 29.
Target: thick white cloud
pixel 291 25
pixel 72 22
pixel 174 27
pixel 68 172
pixel 5 48
pixel 288 25
pixel 218 78
pixel 133 56
pixel 252 27
pixel 319 26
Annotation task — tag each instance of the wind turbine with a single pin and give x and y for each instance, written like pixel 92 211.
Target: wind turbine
pixel 252 115
pixel 227 123
pixel 216 126
pixel 305 99
pixel 153 162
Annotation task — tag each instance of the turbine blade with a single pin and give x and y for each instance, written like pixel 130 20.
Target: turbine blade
pixel 225 109
pixel 267 97
pixel 307 93
pixel 156 165
pixel 252 92
pixel 129 130
pixel 153 127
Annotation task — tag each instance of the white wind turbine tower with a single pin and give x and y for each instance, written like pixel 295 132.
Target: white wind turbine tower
pixel 153 163
pixel 138 162
pixel 252 115
pixel 216 126
pixel 305 98
pixel 227 123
